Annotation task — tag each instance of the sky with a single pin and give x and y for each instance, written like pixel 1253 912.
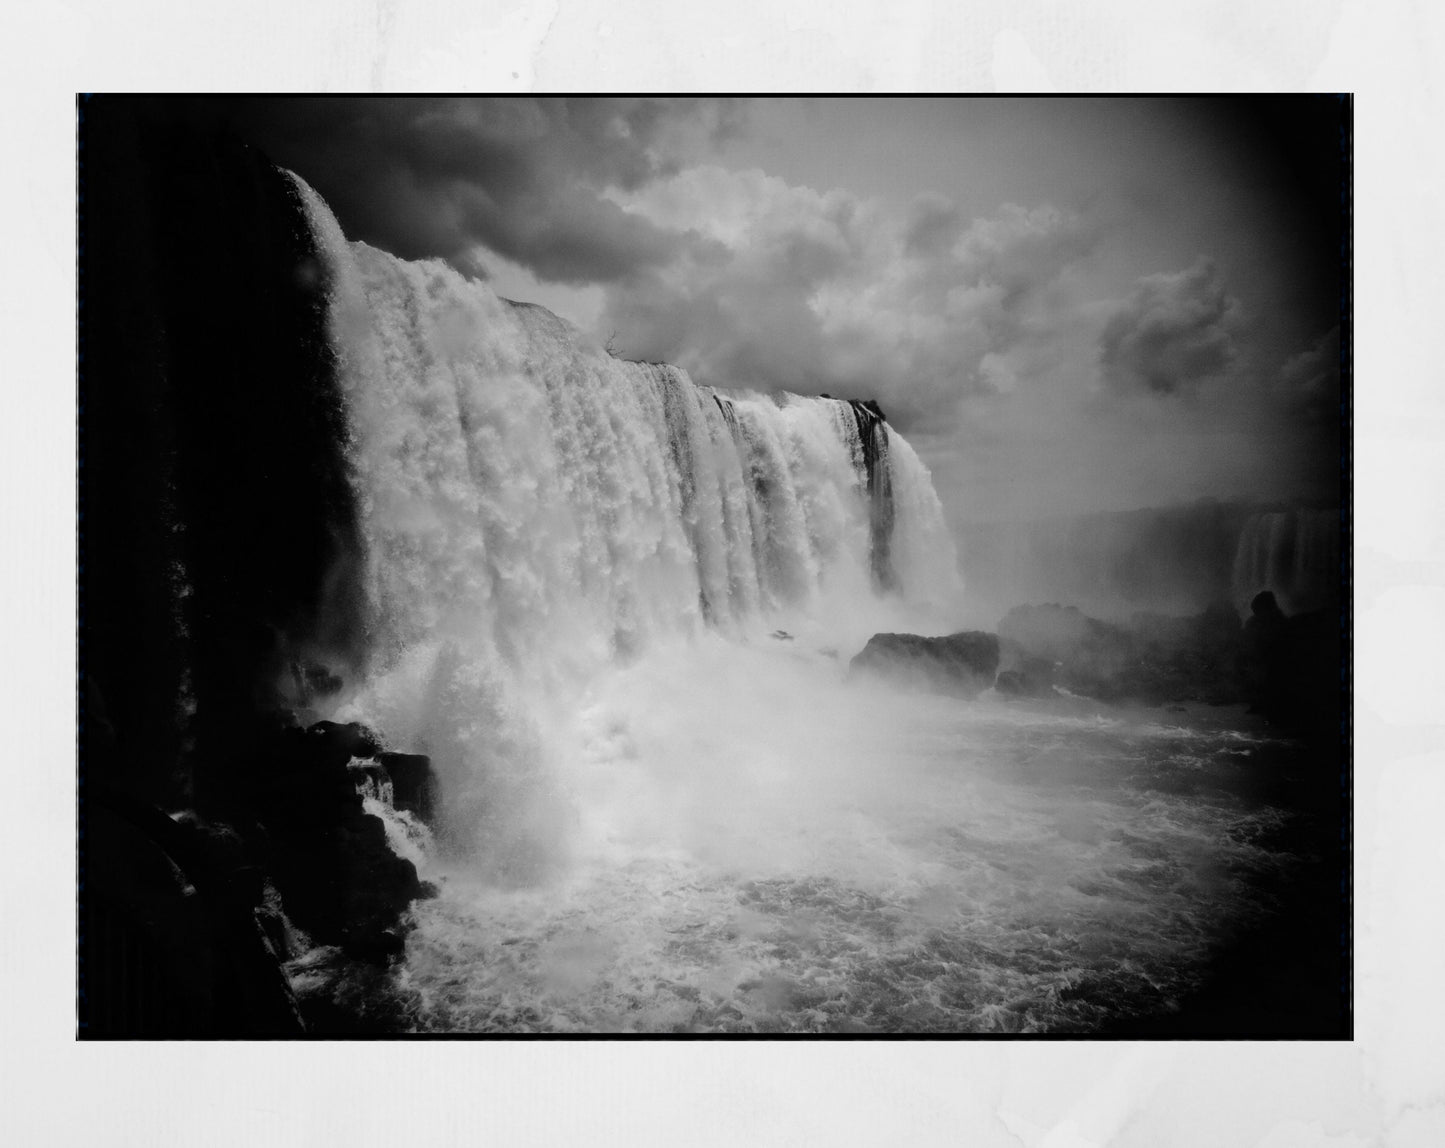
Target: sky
pixel 1066 305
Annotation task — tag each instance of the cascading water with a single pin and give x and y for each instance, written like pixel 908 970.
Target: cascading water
pixel 655 816
pixel 535 511
pixel 1294 553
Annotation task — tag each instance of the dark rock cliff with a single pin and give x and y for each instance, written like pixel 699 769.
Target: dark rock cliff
pixel 218 584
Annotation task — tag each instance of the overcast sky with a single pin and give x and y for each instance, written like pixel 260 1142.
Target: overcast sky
pixel 1066 305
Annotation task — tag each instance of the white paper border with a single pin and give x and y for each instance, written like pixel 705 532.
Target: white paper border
pixel 1383 1088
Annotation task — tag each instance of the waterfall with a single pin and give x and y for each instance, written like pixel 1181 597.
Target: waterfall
pixel 533 510
pixel 1294 553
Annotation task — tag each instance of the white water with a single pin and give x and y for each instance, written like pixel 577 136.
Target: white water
pixel 757 847
pixel 655 816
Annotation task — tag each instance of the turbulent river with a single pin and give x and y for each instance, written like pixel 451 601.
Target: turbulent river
pixel 856 861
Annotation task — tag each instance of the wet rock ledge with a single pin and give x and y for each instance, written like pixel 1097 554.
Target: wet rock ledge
pixel 280 913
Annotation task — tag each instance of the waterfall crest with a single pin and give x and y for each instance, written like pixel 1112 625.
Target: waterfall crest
pixel 533 510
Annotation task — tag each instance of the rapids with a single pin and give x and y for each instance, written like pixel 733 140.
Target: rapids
pixel 814 857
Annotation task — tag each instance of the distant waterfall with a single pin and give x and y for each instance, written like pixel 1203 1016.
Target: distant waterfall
pixel 533 509
pixel 1294 553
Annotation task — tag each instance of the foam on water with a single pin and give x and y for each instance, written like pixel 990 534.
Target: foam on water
pixel 813 858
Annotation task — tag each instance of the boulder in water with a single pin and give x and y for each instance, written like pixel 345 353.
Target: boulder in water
pixel 1087 655
pixel 1291 666
pixel 962 665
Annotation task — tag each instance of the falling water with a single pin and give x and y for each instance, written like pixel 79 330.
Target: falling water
pixel 615 607
pixel 1294 553
pixel 536 511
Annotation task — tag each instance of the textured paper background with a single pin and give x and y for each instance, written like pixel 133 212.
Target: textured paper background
pixel 1387 1087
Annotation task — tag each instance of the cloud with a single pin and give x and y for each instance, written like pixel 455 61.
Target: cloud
pixel 520 177
pixel 1172 334
pixel 787 287
pixel 1015 346
pixel 1309 383
pixel 934 222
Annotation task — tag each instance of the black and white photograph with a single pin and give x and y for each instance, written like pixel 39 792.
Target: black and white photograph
pixel 713 567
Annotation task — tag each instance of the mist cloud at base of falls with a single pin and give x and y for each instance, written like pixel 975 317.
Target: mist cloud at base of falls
pixel 756 845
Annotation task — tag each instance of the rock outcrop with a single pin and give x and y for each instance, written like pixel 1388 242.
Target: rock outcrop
pixel 192 922
pixel 1287 668
pixel 1154 658
pixel 413 783
pixel 1292 668
pixel 220 544
pixel 1062 646
pixel 961 665
pixel 338 877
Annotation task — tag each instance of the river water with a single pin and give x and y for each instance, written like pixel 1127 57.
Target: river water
pixel 819 856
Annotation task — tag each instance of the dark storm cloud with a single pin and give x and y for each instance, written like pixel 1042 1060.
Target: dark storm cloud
pixel 1004 323
pixel 785 287
pixel 1171 335
pixel 520 177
